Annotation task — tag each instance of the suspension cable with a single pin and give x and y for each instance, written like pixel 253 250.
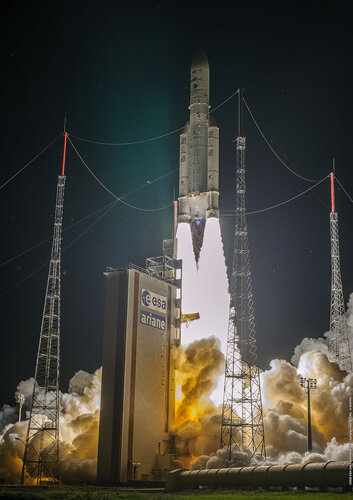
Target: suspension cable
pixel 272 149
pixel 27 164
pixel 345 191
pixel 226 100
pixel 24 279
pixel 143 141
pixel 120 198
pixel 279 204
pixel 143 186
pixel 51 237
pixel 65 248
pixel 100 217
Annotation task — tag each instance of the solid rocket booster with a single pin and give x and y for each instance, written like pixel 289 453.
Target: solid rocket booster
pixel 199 167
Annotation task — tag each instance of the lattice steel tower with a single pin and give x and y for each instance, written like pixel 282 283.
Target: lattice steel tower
pixel 339 350
pixel 42 443
pixel 242 417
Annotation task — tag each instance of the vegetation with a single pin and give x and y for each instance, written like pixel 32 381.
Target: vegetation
pixel 98 493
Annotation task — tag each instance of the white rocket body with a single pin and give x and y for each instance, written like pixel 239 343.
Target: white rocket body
pixel 199 153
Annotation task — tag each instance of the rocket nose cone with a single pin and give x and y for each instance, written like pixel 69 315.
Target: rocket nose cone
pixel 200 60
pixel 199 79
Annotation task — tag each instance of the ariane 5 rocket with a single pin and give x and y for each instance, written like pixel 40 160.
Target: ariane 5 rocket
pixel 199 165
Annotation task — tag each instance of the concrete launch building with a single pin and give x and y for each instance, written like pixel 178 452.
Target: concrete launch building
pixel 142 327
pixel 199 152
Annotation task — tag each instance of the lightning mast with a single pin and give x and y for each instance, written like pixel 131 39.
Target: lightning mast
pixel 42 442
pixel 242 417
pixel 339 349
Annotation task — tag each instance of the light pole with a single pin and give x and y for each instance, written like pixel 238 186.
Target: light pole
pixel 308 384
pixel 20 398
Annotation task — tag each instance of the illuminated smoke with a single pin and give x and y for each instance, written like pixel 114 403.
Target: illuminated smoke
pixel 205 290
pixel 197 418
pixel 285 415
pixel 197 368
pixel 321 344
pixel 79 420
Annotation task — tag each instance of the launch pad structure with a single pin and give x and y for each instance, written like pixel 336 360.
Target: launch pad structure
pixel 141 330
pixel 242 416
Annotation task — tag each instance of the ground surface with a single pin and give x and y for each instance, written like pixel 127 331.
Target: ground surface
pixel 92 493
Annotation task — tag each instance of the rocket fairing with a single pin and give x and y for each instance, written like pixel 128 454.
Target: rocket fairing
pixel 199 148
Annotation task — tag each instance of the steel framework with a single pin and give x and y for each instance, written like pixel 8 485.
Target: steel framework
pixel 242 416
pixel 42 442
pixel 339 349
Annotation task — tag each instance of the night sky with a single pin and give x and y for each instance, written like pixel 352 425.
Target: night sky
pixel 119 71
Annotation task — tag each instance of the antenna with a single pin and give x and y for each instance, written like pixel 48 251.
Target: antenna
pixel 338 342
pixel 240 113
pixel 64 155
pixel 332 176
pixel 41 454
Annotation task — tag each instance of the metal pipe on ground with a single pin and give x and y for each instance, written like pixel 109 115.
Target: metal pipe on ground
pixel 322 475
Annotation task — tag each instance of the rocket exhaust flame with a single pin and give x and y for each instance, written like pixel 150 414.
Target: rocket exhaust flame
pixel 205 290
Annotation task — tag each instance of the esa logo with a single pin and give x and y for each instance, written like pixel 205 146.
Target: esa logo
pixel 153 301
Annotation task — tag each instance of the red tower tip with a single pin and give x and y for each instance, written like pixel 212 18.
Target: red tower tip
pixel 64 154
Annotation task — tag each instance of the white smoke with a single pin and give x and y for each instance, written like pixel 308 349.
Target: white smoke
pixel 9 414
pixel 350 321
pixel 307 345
pixel 79 420
pixel 285 416
pixel 321 344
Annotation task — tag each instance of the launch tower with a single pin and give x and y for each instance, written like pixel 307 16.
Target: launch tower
pixel 242 417
pixel 42 441
pixel 339 348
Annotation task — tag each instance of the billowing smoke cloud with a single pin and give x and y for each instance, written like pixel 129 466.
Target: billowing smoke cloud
pixel 197 367
pixel 79 420
pixel 307 345
pixel 285 415
pixel 321 344
pixel 197 418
